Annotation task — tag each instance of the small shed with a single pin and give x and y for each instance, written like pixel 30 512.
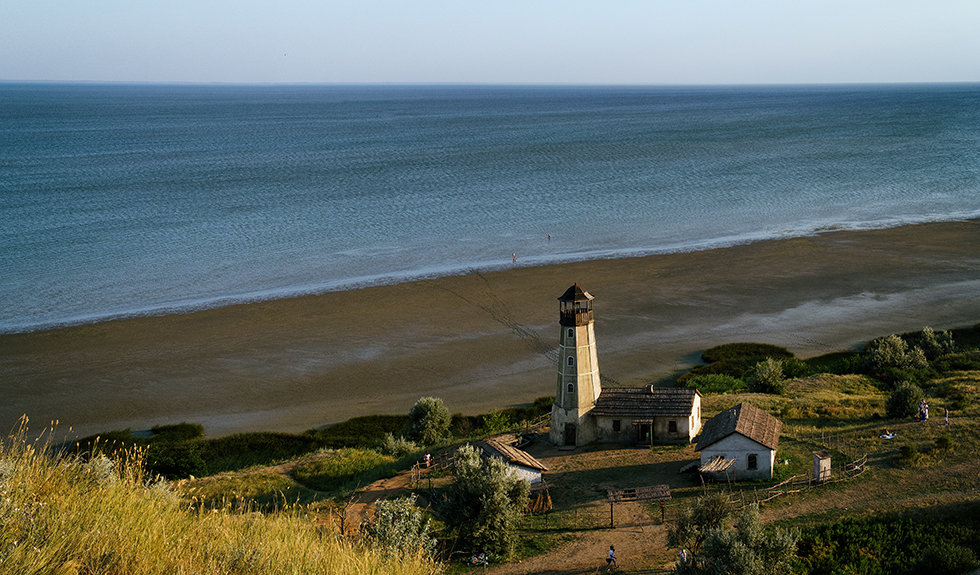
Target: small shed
pixel 739 443
pixel 821 466
pixel 521 463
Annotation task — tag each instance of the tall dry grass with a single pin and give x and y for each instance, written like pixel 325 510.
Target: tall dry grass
pixel 65 516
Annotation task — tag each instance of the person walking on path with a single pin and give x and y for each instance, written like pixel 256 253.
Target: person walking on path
pixel 611 557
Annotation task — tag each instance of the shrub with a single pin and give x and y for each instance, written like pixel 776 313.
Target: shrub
pixel 396 446
pixel 892 352
pixel 767 377
pixel 715 383
pixel 944 443
pixel 496 422
pixel 428 421
pixel 175 460
pixel 935 344
pixel 246 449
pixel 904 401
pixel 908 454
pixel 966 361
pixel 749 549
pixel 747 353
pixel 839 363
pixel 177 432
pixel 398 529
pixel 947 559
pixel 694 524
pixel 364 431
pixel 485 503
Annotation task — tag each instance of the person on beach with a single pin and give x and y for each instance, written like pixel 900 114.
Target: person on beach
pixel 515 257
pixel 611 557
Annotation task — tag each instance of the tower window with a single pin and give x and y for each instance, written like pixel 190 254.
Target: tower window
pixel 570 388
pixel 571 361
pixel 753 461
pixel 571 332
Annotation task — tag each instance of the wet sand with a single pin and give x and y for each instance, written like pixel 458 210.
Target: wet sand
pixel 487 340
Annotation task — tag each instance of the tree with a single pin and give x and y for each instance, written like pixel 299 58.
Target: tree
pixel 399 528
pixel 767 377
pixel 428 421
pixel 904 401
pixel 892 352
pixel 485 503
pixel 749 549
pixel 935 344
pixel 696 523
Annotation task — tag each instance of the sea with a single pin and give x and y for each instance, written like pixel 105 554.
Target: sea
pixel 126 200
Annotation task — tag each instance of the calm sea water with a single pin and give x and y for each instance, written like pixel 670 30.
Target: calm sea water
pixel 127 200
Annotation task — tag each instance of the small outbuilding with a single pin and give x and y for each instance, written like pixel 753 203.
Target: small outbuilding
pixel 521 463
pixel 739 443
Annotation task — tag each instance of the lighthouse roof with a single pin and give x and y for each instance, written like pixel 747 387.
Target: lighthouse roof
pixel 575 293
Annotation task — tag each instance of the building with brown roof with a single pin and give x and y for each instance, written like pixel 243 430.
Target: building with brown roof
pixel 739 443
pixel 584 412
pixel 520 462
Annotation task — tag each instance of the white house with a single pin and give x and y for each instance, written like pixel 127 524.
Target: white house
pixel 739 443
pixel 520 462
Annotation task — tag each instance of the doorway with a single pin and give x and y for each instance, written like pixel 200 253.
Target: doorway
pixel 570 434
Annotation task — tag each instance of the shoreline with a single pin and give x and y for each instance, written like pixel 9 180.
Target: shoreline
pixel 485 340
pixel 191 305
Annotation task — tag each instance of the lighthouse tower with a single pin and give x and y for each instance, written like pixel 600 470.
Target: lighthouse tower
pixel 578 371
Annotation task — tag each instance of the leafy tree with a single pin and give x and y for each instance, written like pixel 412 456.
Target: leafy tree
pixel 485 503
pixel 892 352
pixel 767 377
pixel 396 446
pixel 935 344
pixel 696 523
pixel 904 401
pixel 399 528
pixel 428 421
pixel 748 549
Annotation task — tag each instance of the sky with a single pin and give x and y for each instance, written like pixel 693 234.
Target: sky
pixel 490 41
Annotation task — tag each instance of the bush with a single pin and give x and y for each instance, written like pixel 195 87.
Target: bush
pixel 966 361
pixel 363 431
pixel 485 503
pixel 746 353
pixel 175 461
pixel 839 363
pixel 715 383
pixel 904 401
pixel 428 421
pixel 247 449
pixel 944 443
pixel 767 377
pixel 177 432
pixel 496 422
pixel 396 446
pixel 749 549
pixel 935 344
pixel 908 454
pixel 398 529
pixel 893 352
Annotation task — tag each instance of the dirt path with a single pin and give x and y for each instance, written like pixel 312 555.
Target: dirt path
pixel 639 540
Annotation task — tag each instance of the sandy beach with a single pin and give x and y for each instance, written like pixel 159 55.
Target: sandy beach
pixel 486 340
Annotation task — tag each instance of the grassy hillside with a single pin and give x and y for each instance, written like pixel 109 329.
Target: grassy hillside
pixel 60 515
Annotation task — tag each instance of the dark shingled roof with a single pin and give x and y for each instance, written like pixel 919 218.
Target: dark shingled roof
pixel 645 402
pixel 511 454
pixel 575 293
pixel 743 419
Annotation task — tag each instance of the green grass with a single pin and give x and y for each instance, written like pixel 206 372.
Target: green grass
pixel 344 469
pixel 66 516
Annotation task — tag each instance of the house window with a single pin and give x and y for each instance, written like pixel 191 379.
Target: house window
pixel 753 461
pixel 570 388
pixel 571 361
pixel 672 426
pixel 617 425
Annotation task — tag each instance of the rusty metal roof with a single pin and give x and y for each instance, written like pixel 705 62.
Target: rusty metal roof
pixel 645 402
pixel 744 419
pixel 511 454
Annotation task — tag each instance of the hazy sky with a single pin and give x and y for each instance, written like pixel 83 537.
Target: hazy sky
pixel 491 41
